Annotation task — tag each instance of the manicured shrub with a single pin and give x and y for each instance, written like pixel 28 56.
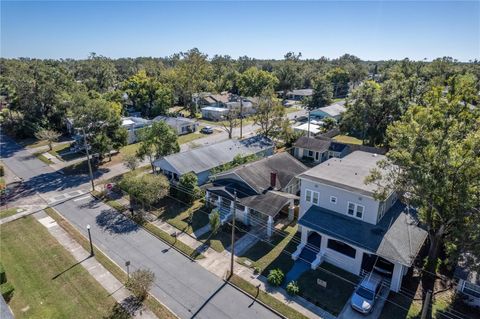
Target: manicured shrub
pixel 292 288
pixel 275 277
pixel 7 291
pixel 3 275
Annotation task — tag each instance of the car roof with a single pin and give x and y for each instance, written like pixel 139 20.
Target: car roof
pixel 371 281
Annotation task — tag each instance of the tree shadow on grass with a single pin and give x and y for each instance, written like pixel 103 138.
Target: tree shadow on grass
pixel 126 309
pixel 116 223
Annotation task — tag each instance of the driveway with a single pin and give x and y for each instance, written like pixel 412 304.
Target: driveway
pixel 185 287
pixel 349 313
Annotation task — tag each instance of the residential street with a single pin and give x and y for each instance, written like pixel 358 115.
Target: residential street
pixel 184 286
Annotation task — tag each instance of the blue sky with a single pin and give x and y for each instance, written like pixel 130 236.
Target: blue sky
pixel 371 30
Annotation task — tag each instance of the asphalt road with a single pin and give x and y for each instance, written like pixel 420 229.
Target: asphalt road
pixel 185 287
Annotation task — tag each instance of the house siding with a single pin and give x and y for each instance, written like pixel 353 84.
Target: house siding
pixel 371 209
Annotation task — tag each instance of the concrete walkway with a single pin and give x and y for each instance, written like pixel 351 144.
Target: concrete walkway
pixel 111 284
pixel 21 212
pixel 219 263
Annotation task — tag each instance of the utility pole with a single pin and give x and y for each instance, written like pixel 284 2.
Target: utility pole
pixel 241 117
pixel 426 304
pixel 233 232
pixel 88 158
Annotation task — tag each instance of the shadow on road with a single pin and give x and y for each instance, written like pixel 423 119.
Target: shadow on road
pixel 208 300
pixel 113 222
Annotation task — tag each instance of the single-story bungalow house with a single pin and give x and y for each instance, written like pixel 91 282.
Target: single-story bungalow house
pixel 468 282
pixel 133 124
pixel 202 160
pixel 315 127
pixel 299 95
pixel 333 111
pixel 315 151
pixel 264 189
pixel 181 125
pixel 215 107
pixel 343 224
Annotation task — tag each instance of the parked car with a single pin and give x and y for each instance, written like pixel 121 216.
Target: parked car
pixel 207 130
pixel 383 267
pixel 363 299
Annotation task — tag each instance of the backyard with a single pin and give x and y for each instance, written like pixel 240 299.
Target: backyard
pixel 348 139
pixel 53 287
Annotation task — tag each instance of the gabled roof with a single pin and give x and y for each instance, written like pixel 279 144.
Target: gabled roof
pixel 348 173
pixel 174 121
pixel 302 92
pixel 257 174
pixel 205 158
pixel 396 237
pixel 269 203
pixel 312 144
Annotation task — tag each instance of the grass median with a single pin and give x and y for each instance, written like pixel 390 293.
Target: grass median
pixel 266 298
pixel 153 304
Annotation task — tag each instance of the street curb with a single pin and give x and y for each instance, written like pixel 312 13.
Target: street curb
pixel 255 299
pixel 96 247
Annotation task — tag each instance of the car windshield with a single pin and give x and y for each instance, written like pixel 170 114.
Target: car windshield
pixel 365 293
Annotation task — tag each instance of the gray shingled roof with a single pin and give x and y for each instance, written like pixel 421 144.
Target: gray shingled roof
pixel 313 144
pixel 205 158
pixel 334 109
pixel 347 173
pixel 257 174
pixel 269 203
pixel 396 237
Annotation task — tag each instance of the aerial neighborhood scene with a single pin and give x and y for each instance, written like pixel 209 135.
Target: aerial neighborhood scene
pixel 240 159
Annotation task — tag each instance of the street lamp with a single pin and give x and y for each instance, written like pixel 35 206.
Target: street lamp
pixel 90 239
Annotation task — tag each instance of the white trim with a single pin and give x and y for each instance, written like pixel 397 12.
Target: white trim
pixel 312 195
pixel 355 210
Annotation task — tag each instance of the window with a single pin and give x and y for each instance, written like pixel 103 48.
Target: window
pixel 333 199
pixel 355 210
pixel 310 153
pixel 311 197
pixel 315 198
pixel 316 156
pixel 341 248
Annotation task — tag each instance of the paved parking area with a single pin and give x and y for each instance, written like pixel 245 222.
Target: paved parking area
pixel 349 313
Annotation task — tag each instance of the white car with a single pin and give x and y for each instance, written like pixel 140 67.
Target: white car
pixel 363 299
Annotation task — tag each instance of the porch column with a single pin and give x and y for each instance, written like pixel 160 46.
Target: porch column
pixel 207 198
pixel 246 216
pixel 219 202
pixel 304 235
pixel 291 211
pixel 232 206
pixel 397 277
pixel 323 244
pixel 269 226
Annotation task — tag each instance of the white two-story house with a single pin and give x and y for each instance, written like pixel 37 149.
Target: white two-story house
pixel 343 224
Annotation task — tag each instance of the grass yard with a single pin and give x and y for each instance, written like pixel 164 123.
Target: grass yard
pixel 41 157
pixel 265 256
pixel 347 139
pixel 31 142
pixel 222 239
pixel 340 286
pixel 266 298
pixel 7 212
pixel 177 213
pixel 187 138
pixel 62 152
pixel 48 281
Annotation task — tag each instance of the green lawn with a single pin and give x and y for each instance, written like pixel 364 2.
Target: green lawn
pixel 340 286
pixel 48 281
pixel 186 138
pixel 177 213
pixel 347 139
pixel 41 157
pixel 269 255
pixel 31 142
pixel 266 298
pixel 7 212
pixel 62 152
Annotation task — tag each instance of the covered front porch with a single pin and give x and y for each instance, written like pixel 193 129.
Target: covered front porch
pixel 316 247
pixel 258 211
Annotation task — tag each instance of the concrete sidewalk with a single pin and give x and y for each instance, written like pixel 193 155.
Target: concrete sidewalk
pixel 111 284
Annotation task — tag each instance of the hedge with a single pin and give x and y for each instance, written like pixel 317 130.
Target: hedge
pixel 7 291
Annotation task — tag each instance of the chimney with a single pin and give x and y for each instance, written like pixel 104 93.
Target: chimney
pixel 273 179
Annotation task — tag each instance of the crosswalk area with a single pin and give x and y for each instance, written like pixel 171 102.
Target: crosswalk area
pixel 76 195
